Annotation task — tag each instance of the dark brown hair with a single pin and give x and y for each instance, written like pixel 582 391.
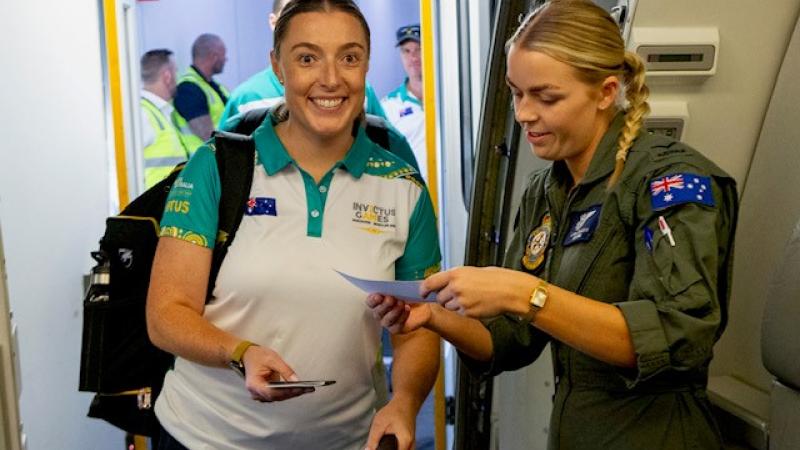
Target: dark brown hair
pixel 295 7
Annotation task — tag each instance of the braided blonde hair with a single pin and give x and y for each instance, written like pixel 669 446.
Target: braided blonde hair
pixel 585 36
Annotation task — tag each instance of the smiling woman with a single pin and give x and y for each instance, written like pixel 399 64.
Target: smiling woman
pixel 271 306
pixel 324 74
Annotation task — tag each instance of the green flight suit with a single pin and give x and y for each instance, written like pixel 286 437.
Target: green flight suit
pixel 674 298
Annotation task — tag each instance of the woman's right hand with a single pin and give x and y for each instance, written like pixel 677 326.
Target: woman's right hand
pixel 262 365
pixel 396 315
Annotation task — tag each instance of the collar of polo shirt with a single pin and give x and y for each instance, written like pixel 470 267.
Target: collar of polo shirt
pixel 274 157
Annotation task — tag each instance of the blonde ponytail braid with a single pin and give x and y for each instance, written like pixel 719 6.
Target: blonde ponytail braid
pixel 636 92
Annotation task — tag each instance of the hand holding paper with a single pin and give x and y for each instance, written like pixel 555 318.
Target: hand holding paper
pixel 408 291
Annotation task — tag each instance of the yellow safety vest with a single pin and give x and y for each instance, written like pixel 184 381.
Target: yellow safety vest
pixel 215 107
pixel 167 149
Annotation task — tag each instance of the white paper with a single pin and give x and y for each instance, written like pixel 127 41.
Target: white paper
pixel 408 291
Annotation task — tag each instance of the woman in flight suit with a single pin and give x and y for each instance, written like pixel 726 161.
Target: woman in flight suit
pixel 622 255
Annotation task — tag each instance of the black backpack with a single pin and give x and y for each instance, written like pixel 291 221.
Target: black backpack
pixel 118 361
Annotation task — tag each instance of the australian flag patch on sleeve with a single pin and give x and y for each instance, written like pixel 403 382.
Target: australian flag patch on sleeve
pixel 680 188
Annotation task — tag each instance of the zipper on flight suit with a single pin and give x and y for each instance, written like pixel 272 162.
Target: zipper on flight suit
pixel 556 216
pixel 555 237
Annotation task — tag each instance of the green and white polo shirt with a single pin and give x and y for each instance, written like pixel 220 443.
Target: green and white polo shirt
pixel 370 217
pixel 404 111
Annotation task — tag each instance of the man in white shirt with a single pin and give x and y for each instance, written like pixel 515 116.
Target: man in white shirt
pixel 403 106
pixel 163 147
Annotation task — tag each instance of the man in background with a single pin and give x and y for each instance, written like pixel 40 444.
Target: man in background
pixel 263 89
pixel 403 106
pixel 162 145
pixel 200 101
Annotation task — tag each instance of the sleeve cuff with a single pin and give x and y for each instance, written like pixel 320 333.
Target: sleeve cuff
pixel 649 341
pixel 515 345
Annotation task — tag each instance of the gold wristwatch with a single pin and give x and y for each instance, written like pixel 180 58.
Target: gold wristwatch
pixel 537 300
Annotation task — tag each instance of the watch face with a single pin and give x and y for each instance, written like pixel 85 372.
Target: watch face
pixel 539 297
pixel 237 367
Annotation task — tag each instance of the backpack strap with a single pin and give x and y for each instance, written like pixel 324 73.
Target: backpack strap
pixel 251 120
pixel 377 130
pixel 235 154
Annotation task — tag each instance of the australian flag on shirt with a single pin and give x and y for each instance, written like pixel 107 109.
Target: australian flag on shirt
pixel 261 206
pixel 680 188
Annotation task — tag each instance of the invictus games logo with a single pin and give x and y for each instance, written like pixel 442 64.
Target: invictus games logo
pixel 377 218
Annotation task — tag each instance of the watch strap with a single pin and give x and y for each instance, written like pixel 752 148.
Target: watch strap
pixel 238 352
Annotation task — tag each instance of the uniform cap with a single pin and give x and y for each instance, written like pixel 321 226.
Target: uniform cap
pixel 407 33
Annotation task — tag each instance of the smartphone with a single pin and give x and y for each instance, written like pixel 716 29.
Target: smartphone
pixel 299 384
pixel 388 442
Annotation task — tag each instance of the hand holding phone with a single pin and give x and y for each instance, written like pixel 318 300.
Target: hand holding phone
pixel 299 384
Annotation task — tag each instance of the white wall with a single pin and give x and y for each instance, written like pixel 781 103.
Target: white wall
pixel 53 200
pixel 242 24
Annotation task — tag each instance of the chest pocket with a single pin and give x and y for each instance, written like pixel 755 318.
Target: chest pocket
pixel 599 268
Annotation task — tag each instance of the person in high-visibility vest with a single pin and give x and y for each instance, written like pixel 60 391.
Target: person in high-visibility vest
pixel 199 100
pixel 162 145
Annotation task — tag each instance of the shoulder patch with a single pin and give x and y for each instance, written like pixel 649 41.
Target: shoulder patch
pixel 679 188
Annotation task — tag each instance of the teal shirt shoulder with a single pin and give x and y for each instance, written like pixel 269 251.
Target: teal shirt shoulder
pixel 401 92
pixel 263 85
pixel 191 211
pixel 372 103
pixel 421 256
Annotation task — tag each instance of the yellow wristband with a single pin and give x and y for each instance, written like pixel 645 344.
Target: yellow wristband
pixel 239 351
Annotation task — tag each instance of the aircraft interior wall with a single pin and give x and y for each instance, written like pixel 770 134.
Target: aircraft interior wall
pixel 770 207
pixel 54 197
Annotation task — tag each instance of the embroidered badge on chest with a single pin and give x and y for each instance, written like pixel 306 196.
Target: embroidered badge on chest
pixel 261 206
pixel 373 218
pixel 582 225
pixel 537 244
